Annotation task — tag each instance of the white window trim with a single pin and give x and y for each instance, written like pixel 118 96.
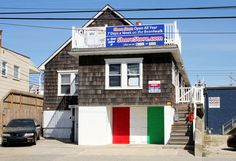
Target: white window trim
pixel 6 69
pixel 123 62
pixel 18 77
pixel 72 76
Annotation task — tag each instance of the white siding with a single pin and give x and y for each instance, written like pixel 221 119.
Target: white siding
pixel 168 121
pixel 25 65
pixel 59 124
pixel 95 125
pixel 138 125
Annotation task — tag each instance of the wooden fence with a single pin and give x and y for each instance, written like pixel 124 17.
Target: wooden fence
pixel 18 104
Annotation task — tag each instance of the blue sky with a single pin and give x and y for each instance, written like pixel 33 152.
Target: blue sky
pixel 207 57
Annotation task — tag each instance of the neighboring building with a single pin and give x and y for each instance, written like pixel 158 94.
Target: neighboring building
pixel 106 95
pixel 15 69
pixel 220 109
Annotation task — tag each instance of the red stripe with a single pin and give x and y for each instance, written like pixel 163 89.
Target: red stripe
pixel 121 125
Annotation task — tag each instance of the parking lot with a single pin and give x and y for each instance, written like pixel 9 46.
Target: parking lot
pixel 53 150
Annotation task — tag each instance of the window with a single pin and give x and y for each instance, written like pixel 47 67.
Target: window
pixel 68 83
pixel 124 73
pixel 76 83
pixel 16 74
pixel 4 68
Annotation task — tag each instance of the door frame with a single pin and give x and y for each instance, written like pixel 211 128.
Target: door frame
pixel 75 123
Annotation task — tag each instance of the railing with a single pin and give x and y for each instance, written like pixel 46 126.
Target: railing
pixel 95 37
pixel 229 125
pixel 193 95
pixel 190 95
pixel 185 95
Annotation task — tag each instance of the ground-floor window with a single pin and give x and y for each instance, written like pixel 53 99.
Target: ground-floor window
pixel 125 73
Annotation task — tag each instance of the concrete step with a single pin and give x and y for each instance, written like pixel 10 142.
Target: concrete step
pixel 179 130
pixel 180 122
pixel 178 142
pixel 182 112
pixel 182 119
pixel 186 147
pixel 182 107
pixel 179 138
pixel 180 133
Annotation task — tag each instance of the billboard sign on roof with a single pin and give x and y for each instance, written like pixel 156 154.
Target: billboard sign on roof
pixel 128 36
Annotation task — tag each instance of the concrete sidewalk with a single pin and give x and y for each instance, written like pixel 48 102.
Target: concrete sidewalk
pixel 53 150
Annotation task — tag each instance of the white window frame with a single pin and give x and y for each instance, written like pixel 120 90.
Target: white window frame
pixel 73 74
pixel 18 75
pixel 5 68
pixel 124 75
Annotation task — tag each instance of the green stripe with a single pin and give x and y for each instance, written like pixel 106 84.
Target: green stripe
pixel 156 125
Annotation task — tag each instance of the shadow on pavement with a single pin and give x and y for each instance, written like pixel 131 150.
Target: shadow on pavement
pixel 229 149
pixel 66 141
pixel 17 145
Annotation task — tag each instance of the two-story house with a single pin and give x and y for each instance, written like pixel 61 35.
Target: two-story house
pixel 15 70
pixel 114 82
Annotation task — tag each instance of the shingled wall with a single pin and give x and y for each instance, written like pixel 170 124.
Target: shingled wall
pixel 92 81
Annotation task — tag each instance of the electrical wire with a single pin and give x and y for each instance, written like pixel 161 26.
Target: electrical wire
pixel 115 19
pixel 64 28
pixel 76 10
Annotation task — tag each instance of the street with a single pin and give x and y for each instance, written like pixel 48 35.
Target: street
pixel 53 150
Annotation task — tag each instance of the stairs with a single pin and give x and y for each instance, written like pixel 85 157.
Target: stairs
pixel 181 134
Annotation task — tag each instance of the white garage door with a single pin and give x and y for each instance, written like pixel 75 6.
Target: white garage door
pixel 138 125
pixel 94 125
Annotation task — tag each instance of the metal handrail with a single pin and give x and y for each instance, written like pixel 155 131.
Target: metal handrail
pixel 229 125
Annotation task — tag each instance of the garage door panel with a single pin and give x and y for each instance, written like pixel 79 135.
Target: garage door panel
pixel 121 125
pixel 138 124
pixel 93 125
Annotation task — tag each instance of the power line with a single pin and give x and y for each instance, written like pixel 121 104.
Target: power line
pixel 36 26
pixel 76 10
pixel 183 32
pixel 114 19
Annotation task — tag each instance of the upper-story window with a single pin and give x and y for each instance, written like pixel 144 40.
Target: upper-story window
pixel 124 73
pixel 4 69
pixel 16 72
pixel 68 82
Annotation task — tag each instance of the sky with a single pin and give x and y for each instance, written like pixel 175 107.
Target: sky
pixel 208 57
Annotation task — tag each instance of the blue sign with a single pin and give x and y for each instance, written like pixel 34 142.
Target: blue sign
pixel 125 36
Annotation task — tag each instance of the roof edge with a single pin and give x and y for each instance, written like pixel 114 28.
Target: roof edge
pixel 42 66
pixel 16 52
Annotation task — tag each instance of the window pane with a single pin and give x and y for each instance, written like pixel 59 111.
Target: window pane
pixel 65 89
pixel 114 69
pixel 114 81
pixel 4 68
pixel 133 80
pixel 133 68
pixel 16 72
pixel 76 79
pixel 76 89
pixel 65 78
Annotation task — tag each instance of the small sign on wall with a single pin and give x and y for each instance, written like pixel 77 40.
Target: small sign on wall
pixel 214 102
pixel 154 86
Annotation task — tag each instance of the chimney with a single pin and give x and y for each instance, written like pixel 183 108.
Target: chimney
pixel 0 38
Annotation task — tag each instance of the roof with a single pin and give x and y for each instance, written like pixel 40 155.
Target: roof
pixel 221 88
pixel 32 67
pixel 16 52
pixel 42 66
